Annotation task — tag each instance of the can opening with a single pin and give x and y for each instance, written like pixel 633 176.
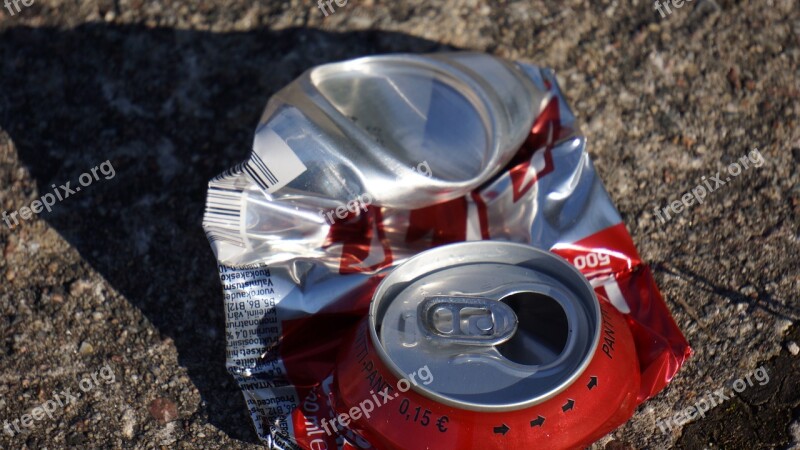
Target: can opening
pixel 432 310
pixel 542 332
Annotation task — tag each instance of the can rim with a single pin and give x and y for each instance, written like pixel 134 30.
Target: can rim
pixel 479 251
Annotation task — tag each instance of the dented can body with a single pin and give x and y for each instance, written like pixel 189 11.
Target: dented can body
pixel 518 350
pixel 382 232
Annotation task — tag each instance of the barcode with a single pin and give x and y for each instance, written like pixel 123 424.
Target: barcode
pixel 223 209
pixel 272 165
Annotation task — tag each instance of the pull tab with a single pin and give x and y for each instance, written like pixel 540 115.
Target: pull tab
pixel 467 320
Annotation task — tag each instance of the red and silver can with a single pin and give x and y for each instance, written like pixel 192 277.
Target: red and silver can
pixel 518 352
pixel 333 201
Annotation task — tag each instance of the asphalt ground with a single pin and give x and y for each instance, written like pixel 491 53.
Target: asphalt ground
pixel 119 275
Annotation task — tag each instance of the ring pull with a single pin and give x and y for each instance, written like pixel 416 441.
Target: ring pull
pixel 467 320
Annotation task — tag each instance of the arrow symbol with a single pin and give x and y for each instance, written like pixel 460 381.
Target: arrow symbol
pixel 567 406
pixel 592 383
pixel 502 430
pixel 538 422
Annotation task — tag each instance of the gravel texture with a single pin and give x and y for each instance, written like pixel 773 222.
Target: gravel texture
pixel 120 276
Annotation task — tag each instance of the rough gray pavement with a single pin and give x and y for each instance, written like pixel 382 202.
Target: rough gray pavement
pixel 119 275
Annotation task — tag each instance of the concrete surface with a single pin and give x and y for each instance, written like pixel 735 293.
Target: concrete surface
pixel 119 275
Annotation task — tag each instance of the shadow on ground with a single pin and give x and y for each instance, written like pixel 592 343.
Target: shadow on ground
pixel 169 109
pixel 760 299
pixel 757 418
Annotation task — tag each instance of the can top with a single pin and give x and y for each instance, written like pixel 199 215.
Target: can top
pixel 500 326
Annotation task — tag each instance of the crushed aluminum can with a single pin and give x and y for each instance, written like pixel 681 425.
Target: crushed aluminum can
pixel 332 199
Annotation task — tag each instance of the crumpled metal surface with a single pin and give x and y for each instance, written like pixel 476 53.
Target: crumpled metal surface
pixel 333 196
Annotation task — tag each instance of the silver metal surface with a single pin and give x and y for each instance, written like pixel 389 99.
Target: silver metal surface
pixel 373 119
pixel 533 323
pixel 466 320
pixel 361 127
